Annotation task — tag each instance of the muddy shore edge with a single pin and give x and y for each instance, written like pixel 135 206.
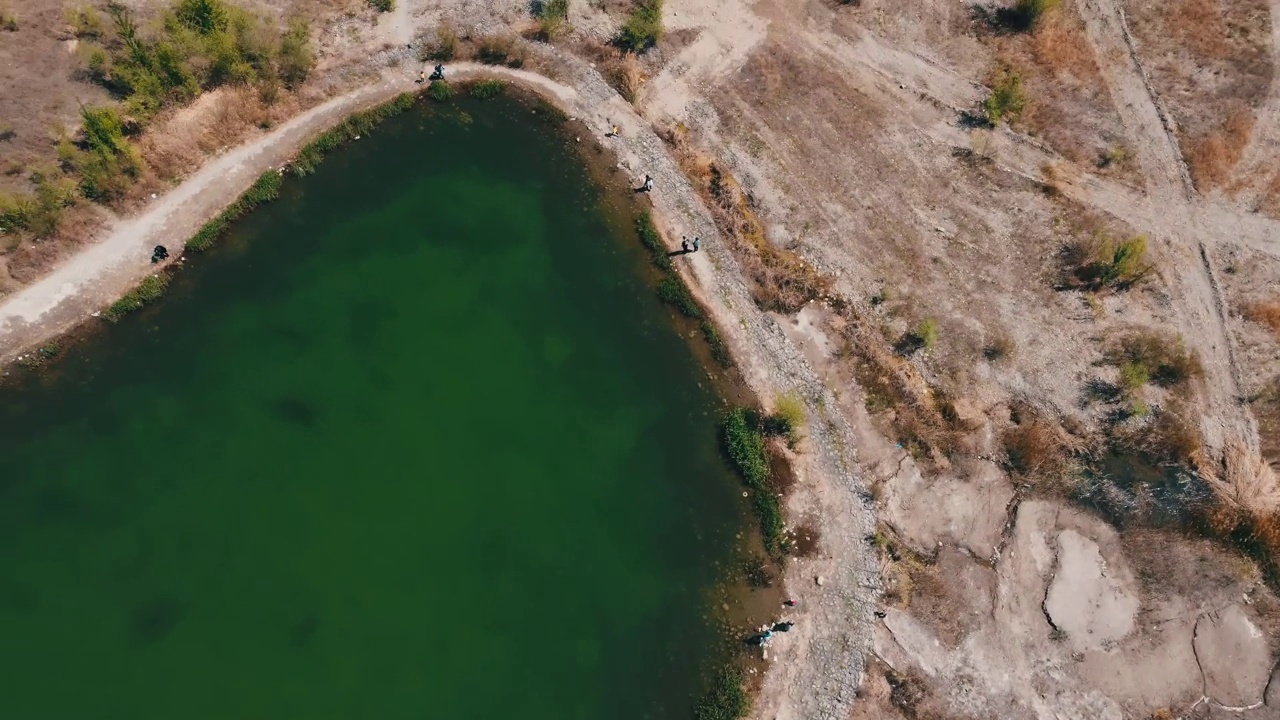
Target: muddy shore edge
pixel 817 670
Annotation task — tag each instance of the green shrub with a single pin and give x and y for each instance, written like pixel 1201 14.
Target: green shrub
pixel 1007 99
pixel 790 415
pixel 486 89
pixel 39 212
pixel 440 91
pixel 150 290
pixel 383 5
pixel 672 290
pixel 726 699
pixel 109 163
pixel 1100 262
pixel 643 28
pixel 927 331
pixel 295 57
pixel 196 44
pixel 202 16
pixel 555 9
pixel 8 21
pixel 552 16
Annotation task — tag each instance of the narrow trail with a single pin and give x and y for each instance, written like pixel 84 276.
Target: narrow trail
pixel 1174 223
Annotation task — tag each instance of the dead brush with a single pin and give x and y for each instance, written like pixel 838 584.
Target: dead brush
pixel 1059 44
pixel 1040 451
pixel 898 394
pixel 622 71
pixel 1213 156
pixel 1265 313
pixel 1247 482
pixel 781 280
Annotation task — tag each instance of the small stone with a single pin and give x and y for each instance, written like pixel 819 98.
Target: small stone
pixel 818 580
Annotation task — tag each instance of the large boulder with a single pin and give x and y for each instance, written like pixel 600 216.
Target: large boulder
pixel 1233 656
pixel 1091 602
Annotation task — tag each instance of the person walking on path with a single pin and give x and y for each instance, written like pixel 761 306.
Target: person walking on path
pixel 647 185
pixel 422 76
pixel 696 243
pixel 684 244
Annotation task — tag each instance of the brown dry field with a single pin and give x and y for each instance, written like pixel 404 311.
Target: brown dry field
pixel 835 146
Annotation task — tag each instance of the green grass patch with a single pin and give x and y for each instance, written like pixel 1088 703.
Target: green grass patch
pixel 383 5
pixel 672 290
pixel 440 91
pixel 359 124
pixel 745 444
pixel 265 189
pixel 719 350
pixel 726 699
pixel 487 89
pixel 652 241
pixel 147 292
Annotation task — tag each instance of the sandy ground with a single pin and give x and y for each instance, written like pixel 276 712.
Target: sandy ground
pixel 843 125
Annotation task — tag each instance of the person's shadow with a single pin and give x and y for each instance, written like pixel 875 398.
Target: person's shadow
pixel 674 253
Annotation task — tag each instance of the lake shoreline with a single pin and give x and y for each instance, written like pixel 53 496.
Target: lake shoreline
pixel 824 653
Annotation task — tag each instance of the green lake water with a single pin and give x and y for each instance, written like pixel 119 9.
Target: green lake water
pixel 417 441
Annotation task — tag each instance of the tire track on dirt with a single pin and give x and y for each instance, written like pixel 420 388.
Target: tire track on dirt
pixel 1171 196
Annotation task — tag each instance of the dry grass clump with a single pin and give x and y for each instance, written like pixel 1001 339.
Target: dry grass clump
pixel 1264 313
pixel 500 50
pixel 1060 45
pixel 1213 156
pixel 898 396
pixel 1247 482
pixel 1039 450
pixel 1149 356
pixel 1266 408
pixel 781 281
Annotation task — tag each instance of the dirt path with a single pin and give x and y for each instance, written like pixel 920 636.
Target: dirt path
pixel 1173 222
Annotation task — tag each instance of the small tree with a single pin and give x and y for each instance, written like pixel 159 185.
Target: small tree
pixel 1006 101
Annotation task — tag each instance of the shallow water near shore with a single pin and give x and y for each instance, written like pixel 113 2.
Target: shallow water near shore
pixel 417 441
